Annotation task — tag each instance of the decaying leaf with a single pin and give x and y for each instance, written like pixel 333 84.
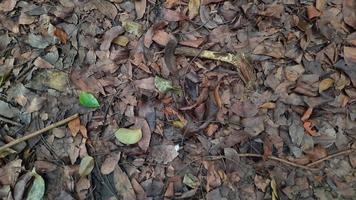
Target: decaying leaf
pixel 123 185
pixel 133 28
pixel 140 6
pixel 109 36
pixel 191 181
pixel 74 126
pixel 38 187
pixel 163 153
pixel 110 163
pixel 162 84
pixel 325 84
pixel 86 165
pixel 274 192
pixel 193 7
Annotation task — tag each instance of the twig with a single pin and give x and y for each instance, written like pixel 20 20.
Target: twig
pixel 10 121
pixel 271 158
pixel 39 132
pixel 344 152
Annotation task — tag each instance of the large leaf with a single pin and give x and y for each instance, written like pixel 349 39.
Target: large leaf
pixel 88 100
pixel 128 136
pixel 162 84
pixel 86 165
pixel 37 189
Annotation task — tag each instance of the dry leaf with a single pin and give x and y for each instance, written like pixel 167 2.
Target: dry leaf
pixel 61 35
pixel 308 126
pixel 110 163
pixel 140 7
pixel 123 185
pixel 350 55
pixel 268 105
pixel 316 153
pixel 109 36
pixel 173 16
pixel 193 7
pixel 106 8
pixel 307 114
pixel 312 12
pixel 74 126
pixel 147 83
pixel 325 84
pixel 7 5
pixel 162 37
pixel 141 123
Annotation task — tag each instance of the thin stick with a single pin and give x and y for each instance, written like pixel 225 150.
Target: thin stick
pixel 344 152
pixel 9 121
pixel 271 158
pixel 39 132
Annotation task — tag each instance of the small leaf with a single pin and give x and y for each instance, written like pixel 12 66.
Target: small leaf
pixel 274 189
pixel 86 166
pixel 133 28
pixel 178 124
pixel 128 136
pixel 193 7
pixel 37 189
pixel 191 181
pixel 325 84
pixel 88 100
pixel 162 84
pixel 121 40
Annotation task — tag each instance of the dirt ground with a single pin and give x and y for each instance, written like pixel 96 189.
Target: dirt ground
pixel 170 99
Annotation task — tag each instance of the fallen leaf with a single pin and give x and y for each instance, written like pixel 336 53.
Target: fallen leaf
pixel 74 126
pixel 163 153
pixel 128 136
pixel 106 8
pixel 316 153
pixel 307 114
pixel 162 84
pixel 133 28
pixel 192 43
pixel 261 183
pixel 172 16
pixel 348 10
pixel 244 109
pixel 141 123
pixel 88 100
pixel 109 36
pixel 147 83
pixel 10 172
pixel 36 104
pixel 193 7
pixel 20 186
pixel 191 181
pixel 7 5
pixel 350 55
pixel 312 12
pixel 161 37
pixel 42 63
pixel 211 129
pixel 268 105
pixel 325 84
pixel 123 185
pixel 274 192
pixel 86 165
pixel 7 110
pixel 121 40
pixel 38 187
pixel 206 19
pixel 308 126
pixel 351 39
pixel 140 7
pixel 110 163
pixel 61 35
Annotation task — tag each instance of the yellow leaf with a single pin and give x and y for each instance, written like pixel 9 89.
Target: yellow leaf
pixel 325 84
pixel 193 7
pixel 121 40
pixel 274 189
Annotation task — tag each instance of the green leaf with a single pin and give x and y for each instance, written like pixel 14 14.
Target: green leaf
pixel 191 181
pixel 86 165
pixel 128 136
pixel 37 189
pixel 88 100
pixel 162 84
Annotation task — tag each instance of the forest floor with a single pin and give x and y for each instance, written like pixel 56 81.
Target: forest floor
pixel 192 99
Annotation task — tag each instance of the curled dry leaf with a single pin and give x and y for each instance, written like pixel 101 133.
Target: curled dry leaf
pixel 74 126
pixel 61 35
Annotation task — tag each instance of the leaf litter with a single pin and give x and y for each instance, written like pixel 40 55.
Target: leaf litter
pixel 207 95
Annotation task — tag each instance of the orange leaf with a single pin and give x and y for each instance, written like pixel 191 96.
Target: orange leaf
pixel 74 126
pixel 83 131
pixel 217 97
pixel 309 128
pixel 307 114
pixel 61 35
pixel 268 105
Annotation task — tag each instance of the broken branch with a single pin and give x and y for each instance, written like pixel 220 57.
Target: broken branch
pixel 39 132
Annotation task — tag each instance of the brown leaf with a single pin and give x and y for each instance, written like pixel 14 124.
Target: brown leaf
pixel 244 109
pixel 106 8
pixel 84 83
pixel 213 179
pixel 211 129
pixel 172 15
pixel 348 8
pixel 10 172
pixel 275 50
pixel 307 114
pixel 141 123
pixel 312 12
pixel 273 11
pixel 7 5
pixel 61 35
pixel 44 166
pixel 261 183
pixel 192 43
pixel 206 2
pixel 163 153
pixel 171 3
pixel 74 126
pixel 162 37
pixel 123 185
pixel 268 105
pixel 110 163
pixel 351 39
pixel 140 7
pixel 350 55
pixel 316 153
pixel 109 36
pixel 82 187
pixel 140 192
pixel 146 83
pixel 42 63
pixel 205 17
